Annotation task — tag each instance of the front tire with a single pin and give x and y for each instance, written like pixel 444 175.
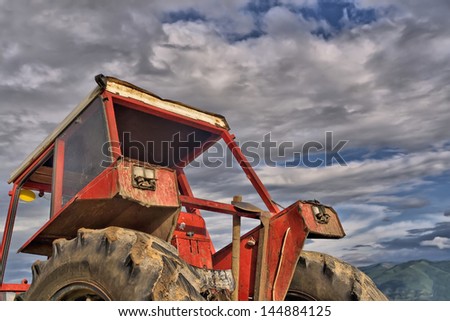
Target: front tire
pixel 113 264
pixel 321 277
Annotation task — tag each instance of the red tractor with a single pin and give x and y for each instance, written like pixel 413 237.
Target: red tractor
pixel 125 225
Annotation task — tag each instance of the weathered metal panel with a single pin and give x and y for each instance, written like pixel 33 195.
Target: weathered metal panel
pixel 101 213
pixel 104 186
pixel 8 287
pixel 124 89
pixel 195 251
pixel 321 225
pixel 248 259
pixel 192 240
pixel 111 200
pixel 165 194
pixel 287 232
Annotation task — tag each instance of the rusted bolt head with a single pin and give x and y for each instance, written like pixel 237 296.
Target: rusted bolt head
pixel 237 198
pixel 251 242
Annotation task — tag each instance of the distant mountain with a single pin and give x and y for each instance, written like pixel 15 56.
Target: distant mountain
pixel 412 281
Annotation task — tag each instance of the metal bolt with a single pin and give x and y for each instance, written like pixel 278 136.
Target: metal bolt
pixel 237 198
pixel 251 242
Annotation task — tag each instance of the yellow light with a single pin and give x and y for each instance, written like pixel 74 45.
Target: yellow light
pixel 27 195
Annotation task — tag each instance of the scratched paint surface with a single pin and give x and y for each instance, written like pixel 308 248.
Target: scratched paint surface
pixel 165 194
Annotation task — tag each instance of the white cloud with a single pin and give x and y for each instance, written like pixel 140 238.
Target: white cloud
pixel 280 22
pixel 290 72
pixel 32 76
pixel 440 242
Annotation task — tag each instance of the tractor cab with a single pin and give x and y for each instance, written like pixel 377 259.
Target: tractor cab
pixel 116 160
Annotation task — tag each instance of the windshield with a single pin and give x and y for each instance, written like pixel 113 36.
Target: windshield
pixel 85 147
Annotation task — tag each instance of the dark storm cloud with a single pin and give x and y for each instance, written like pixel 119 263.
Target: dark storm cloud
pixel 441 229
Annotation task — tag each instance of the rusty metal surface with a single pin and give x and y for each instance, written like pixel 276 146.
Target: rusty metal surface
pixel 127 90
pixel 236 254
pixel 249 171
pixel 7 233
pixel 287 234
pixel 12 209
pixel 213 206
pixel 192 240
pixel 317 227
pixel 13 287
pixel 245 206
pixel 165 194
pixel 42 175
pixel 248 258
pixel 101 213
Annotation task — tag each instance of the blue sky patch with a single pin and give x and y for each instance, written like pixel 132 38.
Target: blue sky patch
pixel 183 15
pixel 337 14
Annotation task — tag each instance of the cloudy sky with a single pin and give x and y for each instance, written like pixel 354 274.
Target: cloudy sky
pixel 373 73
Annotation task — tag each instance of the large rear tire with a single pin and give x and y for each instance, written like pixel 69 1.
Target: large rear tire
pixel 113 264
pixel 322 277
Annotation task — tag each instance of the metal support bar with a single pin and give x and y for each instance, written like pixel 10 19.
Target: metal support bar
pixel 112 125
pixel 235 255
pixel 7 234
pixel 14 287
pixel 10 219
pixel 249 171
pixel 58 172
pixel 261 264
pixel 185 189
pixel 236 251
pixel 213 206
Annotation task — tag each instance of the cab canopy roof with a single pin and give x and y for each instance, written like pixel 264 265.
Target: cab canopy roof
pixel 124 89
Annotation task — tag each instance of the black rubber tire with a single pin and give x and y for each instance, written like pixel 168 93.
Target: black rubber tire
pixel 322 277
pixel 113 264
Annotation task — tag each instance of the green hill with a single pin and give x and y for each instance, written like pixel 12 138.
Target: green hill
pixel 415 280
